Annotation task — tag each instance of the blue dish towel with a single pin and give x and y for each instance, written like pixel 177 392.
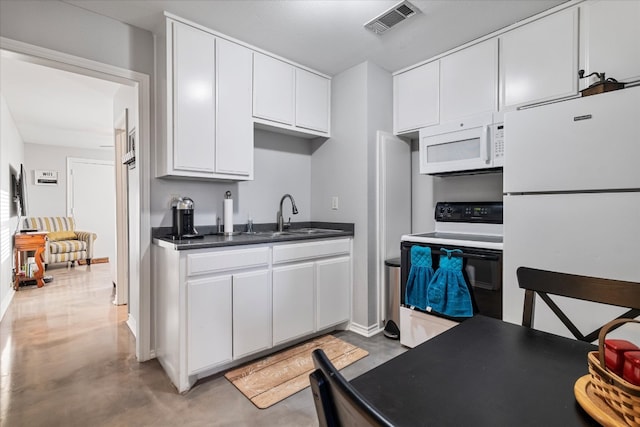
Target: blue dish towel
pixel 448 292
pixel 419 276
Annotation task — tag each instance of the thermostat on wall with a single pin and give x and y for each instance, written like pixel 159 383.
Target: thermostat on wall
pixel 46 177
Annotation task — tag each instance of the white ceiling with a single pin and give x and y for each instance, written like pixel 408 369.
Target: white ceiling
pixel 60 108
pixel 55 107
pixel 329 35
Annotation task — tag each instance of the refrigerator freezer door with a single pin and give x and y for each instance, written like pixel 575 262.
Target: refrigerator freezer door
pixel 590 143
pixel 588 234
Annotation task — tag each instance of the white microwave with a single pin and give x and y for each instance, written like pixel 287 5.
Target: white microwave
pixel 470 145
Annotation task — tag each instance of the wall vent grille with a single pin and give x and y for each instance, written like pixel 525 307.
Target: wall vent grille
pixel 398 13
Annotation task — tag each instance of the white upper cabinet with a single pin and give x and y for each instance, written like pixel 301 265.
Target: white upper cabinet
pixel 539 60
pixel 290 98
pixel 273 89
pixel 313 95
pixel 194 105
pixel 209 124
pixel 610 40
pixel 234 129
pixel 469 81
pixel 416 98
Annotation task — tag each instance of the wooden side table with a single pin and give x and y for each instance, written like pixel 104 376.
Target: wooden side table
pixel 24 243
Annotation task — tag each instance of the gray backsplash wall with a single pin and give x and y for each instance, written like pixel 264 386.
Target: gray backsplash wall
pixel 426 190
pixel 282 164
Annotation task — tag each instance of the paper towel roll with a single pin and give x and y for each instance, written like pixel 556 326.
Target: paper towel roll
pixel 228 215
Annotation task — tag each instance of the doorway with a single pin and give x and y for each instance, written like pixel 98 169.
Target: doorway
pixel 91 201
pixel 140 316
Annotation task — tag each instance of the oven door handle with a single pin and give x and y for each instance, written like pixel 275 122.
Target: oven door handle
pixel 466 255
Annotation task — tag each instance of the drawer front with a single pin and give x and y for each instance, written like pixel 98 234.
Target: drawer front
pixel 310 250
pixel 212 262
pixel 417 327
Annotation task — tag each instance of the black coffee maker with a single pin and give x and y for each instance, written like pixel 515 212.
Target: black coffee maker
pixel 183 219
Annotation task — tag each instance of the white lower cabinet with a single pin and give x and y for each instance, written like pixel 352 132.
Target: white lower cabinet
pixel 217 307
pixel 332 291
pixel 208 322
pixel 251 312
pixel 311 287
pixel 293 311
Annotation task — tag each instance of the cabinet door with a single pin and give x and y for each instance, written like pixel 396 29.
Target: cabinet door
pixel 208 323
pixel 273 89
pixel 611 39
pixel 193 84
pixel 539 61
pixel 312 101
pixel 293 305
pixel 234 127
pixel 251 312
pixel 416 98
pixel 333 287
pixel 469 81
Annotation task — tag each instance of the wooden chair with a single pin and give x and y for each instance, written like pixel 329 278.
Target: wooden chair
pixel 605 291
pixel 337 402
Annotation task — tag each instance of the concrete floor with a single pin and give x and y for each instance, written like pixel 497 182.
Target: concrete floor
pixel 67 358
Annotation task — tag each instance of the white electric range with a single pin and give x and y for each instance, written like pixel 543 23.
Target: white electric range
pixel 476 229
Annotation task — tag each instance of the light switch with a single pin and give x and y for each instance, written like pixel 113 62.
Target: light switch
pixel 334 203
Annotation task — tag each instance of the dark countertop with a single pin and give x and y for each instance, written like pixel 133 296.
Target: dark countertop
pixel 161 235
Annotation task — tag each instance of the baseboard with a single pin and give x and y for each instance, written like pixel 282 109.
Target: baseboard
pixel 6 301
pixel 366 331
pixel 94 261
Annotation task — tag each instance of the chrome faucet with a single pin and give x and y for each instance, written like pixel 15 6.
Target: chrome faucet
pixel 294 210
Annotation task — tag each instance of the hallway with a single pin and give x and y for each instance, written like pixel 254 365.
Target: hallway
pixel 68 358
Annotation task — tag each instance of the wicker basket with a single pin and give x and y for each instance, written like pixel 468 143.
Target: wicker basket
pixel 622 396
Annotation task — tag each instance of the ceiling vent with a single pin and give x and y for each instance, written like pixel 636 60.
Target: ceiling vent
pixel 398 13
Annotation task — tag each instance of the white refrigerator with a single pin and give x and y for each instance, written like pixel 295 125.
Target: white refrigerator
pixel 572 201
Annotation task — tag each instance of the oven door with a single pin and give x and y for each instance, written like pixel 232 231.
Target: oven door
pixel 482 270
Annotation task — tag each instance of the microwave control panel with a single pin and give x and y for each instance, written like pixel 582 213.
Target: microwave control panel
pixel 479 212
pixel 498 137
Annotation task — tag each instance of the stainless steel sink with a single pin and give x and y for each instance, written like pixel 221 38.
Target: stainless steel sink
pixel 314 231
pixel 292 232
pixel 270 233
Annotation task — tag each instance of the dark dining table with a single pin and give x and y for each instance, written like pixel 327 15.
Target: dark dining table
pixel 482 372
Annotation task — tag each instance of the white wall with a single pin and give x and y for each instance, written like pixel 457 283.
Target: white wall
pixel 344 166
pixel 339 168
pixel 46 200
pixel 11 156
pixel 66 28
pixel 426 190
pixel 282 164
pixel 379 117
pixel 72 30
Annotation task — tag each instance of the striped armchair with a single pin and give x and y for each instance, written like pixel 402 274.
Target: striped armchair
pixel 64 242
